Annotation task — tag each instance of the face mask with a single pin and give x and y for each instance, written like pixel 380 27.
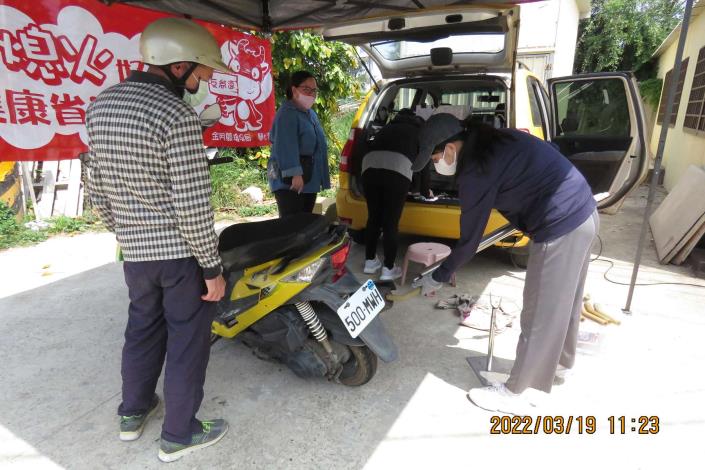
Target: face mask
pixel 197 97
pixel 305 101
pixel 443 168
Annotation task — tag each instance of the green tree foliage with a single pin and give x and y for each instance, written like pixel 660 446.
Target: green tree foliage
pixel 623 34
pixel 651 91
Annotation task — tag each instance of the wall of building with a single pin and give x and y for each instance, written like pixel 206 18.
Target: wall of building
pixel 537 30
pixel 550 29
pixel 684 147
pixel 566 38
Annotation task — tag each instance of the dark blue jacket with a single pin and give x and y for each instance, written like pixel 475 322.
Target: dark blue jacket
pixel 531 183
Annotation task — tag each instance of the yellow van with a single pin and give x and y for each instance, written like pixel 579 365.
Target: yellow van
pixel 461 60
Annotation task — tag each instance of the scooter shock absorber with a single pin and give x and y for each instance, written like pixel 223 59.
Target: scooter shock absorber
pixel 314 324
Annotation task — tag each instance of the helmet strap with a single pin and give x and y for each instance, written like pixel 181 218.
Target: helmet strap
pixel 179 83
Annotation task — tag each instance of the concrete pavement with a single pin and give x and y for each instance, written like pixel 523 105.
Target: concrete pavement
pixel 63 310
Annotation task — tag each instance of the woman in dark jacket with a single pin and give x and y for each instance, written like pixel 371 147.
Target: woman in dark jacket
pixel 298 166
pixel 386 176
pixel 542 194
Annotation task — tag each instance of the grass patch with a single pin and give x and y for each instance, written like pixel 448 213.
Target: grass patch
pixel 89 222
pixel 13 233
pixel 229 179
pixel 257 210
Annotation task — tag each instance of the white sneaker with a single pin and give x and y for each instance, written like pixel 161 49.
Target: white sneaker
pixel 390 274
pixel 497 397
pixel 372 265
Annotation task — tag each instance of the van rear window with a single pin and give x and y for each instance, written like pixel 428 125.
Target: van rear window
pixel 466 43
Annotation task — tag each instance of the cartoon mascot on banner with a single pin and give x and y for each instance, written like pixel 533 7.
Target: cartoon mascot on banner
pixel 249 85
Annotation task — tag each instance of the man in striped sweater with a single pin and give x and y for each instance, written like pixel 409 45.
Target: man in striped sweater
pixel 149 180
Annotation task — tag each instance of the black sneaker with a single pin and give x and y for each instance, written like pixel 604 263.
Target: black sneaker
pixel 131 427
pixel 212 432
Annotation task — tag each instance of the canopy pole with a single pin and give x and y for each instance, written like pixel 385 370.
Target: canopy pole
pixel 266 19
pixel 670 98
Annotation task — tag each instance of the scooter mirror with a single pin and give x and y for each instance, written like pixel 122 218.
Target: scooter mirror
pixel 210 115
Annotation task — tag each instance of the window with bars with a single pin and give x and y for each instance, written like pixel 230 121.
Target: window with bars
pixel 679 93
pixel 695 112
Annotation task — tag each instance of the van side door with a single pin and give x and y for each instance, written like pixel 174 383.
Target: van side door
pixel 597 121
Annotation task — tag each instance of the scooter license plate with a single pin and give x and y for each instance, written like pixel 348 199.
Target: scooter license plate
pixel 361 308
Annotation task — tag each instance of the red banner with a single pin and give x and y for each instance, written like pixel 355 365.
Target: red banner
pixel 57 55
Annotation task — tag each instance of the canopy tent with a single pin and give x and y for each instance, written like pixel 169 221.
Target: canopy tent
pixel 277 15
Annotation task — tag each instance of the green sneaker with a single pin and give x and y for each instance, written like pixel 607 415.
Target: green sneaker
pixel 213 431
pixel 131 427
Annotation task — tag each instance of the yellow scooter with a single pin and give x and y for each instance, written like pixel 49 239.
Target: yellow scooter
pixel 290 299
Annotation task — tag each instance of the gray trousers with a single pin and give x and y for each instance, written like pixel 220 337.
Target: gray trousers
pixel 553 296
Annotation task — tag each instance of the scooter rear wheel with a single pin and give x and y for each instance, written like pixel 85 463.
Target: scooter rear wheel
pixel 360 368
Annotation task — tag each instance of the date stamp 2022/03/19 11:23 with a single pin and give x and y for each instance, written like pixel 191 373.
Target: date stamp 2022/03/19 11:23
pixel 576 424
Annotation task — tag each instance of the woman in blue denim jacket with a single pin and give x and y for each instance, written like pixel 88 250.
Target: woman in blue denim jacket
pixel 298 166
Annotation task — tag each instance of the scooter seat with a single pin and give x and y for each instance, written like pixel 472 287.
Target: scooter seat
pixel 253 243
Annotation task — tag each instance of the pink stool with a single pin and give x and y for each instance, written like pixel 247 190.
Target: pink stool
pixel 426 254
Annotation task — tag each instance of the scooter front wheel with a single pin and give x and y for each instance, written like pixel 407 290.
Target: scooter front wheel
pixel 360 368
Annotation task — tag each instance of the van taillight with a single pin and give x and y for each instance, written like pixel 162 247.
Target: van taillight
pixel 348 149
pixel 338 260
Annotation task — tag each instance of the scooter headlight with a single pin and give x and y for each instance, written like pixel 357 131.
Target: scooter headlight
pixel 307 273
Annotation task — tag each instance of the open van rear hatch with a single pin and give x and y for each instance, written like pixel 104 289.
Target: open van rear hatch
pixel 468 39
